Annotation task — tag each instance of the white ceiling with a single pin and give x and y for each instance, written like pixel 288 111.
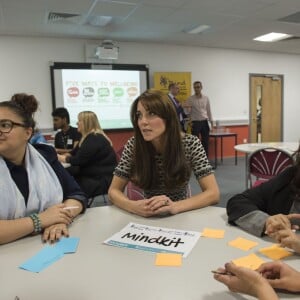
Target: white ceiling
pixel 234 23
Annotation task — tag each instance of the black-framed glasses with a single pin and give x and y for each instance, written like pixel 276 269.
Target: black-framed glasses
pixel 6 126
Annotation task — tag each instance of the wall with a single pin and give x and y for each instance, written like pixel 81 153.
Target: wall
pixel 224 73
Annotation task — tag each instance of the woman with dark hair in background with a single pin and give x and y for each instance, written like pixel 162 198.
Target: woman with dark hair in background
pixel 36 191
pixel 159 159
pixel 93 160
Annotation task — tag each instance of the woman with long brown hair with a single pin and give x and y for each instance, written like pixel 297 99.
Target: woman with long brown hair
pixel 159 159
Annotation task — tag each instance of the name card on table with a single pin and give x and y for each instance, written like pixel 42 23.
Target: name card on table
pixel 155 239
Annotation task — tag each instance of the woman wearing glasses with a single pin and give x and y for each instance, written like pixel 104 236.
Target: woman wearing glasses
pixel 37 194
pixel 159 159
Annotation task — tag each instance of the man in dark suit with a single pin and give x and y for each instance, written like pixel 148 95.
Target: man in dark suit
pixel 173 92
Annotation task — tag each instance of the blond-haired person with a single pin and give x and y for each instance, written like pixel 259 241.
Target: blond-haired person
pixel 93 160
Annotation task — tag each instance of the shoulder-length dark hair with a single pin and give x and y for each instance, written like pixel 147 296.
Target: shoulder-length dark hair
pixel 144 170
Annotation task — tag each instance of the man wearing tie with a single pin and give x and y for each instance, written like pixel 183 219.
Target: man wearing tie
pixel 173 92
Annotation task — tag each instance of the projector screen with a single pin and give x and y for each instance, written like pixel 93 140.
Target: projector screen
pixel 107 92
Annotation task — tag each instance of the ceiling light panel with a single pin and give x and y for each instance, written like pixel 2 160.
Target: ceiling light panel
pixel 272 37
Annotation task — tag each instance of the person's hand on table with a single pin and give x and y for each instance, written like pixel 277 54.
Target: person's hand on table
pixel 277 222
pixel 54 233
pixel 56 214
pixel 288 238
pixel 281 276
pixel 161 204
pixel 141 208
pixel 61 158
pixel 246 281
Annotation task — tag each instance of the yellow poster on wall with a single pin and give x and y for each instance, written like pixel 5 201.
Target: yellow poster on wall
pixel 182 79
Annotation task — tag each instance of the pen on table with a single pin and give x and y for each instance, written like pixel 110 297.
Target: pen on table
pixel 293 230
pixel 222 273
pixel 71 207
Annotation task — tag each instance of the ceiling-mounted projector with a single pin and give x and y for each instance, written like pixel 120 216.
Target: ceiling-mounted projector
pixel 107 50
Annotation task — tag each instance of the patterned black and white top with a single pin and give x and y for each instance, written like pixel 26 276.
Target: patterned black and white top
pixel 194 153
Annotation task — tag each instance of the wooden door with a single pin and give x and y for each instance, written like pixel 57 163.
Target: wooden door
pixel 266 108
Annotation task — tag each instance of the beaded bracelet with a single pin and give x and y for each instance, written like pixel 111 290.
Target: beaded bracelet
pixel 36 223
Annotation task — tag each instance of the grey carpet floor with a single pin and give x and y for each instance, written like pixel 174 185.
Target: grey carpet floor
pixel 230 178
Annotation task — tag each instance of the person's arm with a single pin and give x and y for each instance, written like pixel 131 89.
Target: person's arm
pixel 11 230
pixel 210 195
pixel 288 238
pixel 54 232
pixel 281 276
pixel 118 198
pixel 63 151
pixel 246 281
pixel 270 197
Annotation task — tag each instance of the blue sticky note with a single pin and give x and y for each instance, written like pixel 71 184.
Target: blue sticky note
pixel 44 258
pixel 67 245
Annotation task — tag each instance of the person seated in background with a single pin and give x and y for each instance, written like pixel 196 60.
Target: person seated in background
pixel 159 159
pixel 260 283
pixel 68 137
pixel 37 136
pixel 36 191
pixel 93 160
pixel 271 206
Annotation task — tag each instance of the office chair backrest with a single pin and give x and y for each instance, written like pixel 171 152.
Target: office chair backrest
pixel 267 163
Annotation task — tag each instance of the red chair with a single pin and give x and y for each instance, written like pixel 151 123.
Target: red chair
pixel 267 163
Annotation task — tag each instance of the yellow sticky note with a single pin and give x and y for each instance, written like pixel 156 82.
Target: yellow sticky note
pixel 251 261
pixel 275 252
pixel 168 259
pixel 213 233
pixel 242 244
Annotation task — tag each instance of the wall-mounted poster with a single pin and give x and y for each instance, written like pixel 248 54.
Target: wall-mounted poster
pixel 183 79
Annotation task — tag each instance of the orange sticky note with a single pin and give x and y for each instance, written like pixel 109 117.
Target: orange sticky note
pixel 168 259
pixel 275 252
pixel 242 244
pixel 251 261
pixel 213 233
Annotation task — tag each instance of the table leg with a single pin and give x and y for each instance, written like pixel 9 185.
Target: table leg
pixel 216 152
pixel 235 140
pixel 246 169
pixel 221 149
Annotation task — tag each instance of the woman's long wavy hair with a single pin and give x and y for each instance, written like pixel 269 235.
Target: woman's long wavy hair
pixel 90 124
pixel 144 169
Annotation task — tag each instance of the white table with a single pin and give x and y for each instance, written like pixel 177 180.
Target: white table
pixel 98 271
pixel 289 147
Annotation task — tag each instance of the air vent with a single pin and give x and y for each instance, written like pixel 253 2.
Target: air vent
pixel 57 17
pixel 293 18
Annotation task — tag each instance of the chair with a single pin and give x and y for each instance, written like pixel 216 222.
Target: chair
pixel 266 163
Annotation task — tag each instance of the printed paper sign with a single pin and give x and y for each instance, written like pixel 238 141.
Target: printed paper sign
pixel 155 239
